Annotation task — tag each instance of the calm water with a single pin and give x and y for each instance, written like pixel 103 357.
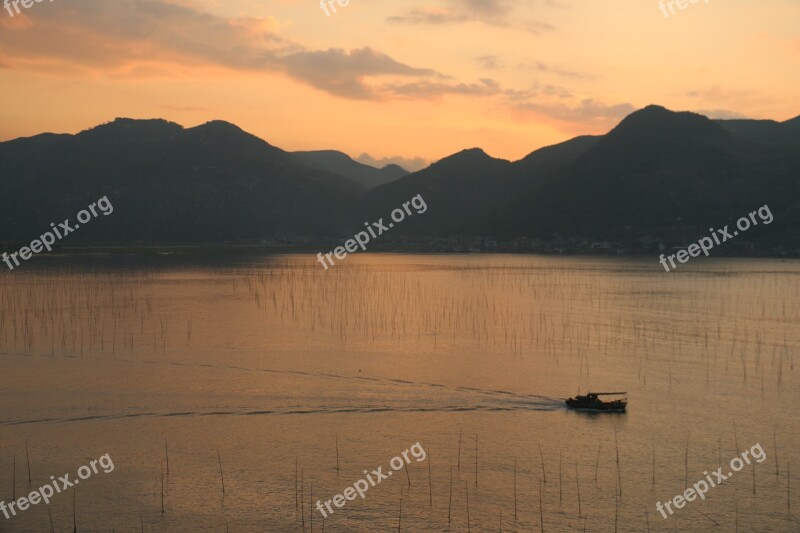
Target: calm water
pixel 273 363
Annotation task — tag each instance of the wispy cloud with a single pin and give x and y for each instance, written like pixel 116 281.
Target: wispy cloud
pixel 411 164
pixel 145 37
pixel 497 13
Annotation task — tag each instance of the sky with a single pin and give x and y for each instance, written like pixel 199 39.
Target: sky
pixel 400 81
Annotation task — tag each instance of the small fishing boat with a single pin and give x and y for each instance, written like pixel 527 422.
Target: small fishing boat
pixel 592 402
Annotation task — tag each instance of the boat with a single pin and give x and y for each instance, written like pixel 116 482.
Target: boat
pixel 592 402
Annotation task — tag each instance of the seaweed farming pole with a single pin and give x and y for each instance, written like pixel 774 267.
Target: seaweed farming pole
pixel 450 504
pixel 430 483
pixel 460 430
pixel 221 476
pixel 476 459
pixel 28 458
pixel 162 488
pixel 466 488
pixel 400 515
pixel 541 457
pixel 578 483
pixel 541 510
pixel 619 475
pixel 515 490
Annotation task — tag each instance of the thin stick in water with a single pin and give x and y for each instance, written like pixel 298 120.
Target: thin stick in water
pixel 400 516
pixel 541 457
pixel 515 489
pixel 459 448
pixel 597 464
pixel 430 482
pixel 466 487
pixel 450 504
pixel 162 488
pixel 28 457
pixel 476 459
pixel 775 442
pixel 221 476
pixel 541 509
pixel 578 483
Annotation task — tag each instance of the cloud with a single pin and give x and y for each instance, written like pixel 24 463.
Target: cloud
pixel 489 62
pixel 720 114
pixel 428 89
pixel 155 37
pixel 410 164
pixel 342 73
pixel 588 113
pixel 498 13
pixel 558 71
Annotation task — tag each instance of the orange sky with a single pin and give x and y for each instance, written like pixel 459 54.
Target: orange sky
pixel 395 79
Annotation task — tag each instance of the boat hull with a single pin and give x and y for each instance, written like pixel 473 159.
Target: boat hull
pixel 613 407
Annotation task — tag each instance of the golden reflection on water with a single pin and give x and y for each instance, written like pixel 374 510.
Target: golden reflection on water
pixel 271 359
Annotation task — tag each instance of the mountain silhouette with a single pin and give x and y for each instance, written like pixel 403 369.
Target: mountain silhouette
pixel 342 164
pixel 659 176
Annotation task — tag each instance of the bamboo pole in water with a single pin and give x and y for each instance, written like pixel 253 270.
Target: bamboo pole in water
pixel 296 502
pixel 541 457
pixel 459 448
pixel 476 459
pixel 400 516
pixel 430 482
pixel 775 443
pixel 578 483
pixel 221 476
pixel 450 504
pixel 654 463
pixel 560 492
pixel 619 475
pixel 162 488
pixel 541 509
pixel 515 490
pixel 407 475
pixel 466 487
pixel 166 455
pixel 302 500
pixel 28 458
pixel 597 464
pixel 686 462
pixel 74 513
pixel 337 452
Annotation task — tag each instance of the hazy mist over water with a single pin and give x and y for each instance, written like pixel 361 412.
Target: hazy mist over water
pixel 271 361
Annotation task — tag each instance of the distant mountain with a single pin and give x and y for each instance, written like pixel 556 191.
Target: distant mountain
pixel 661 174
pixel 213 182
pixel 660 177
pixel 766 131
pixel 458 185
pixel 342 164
